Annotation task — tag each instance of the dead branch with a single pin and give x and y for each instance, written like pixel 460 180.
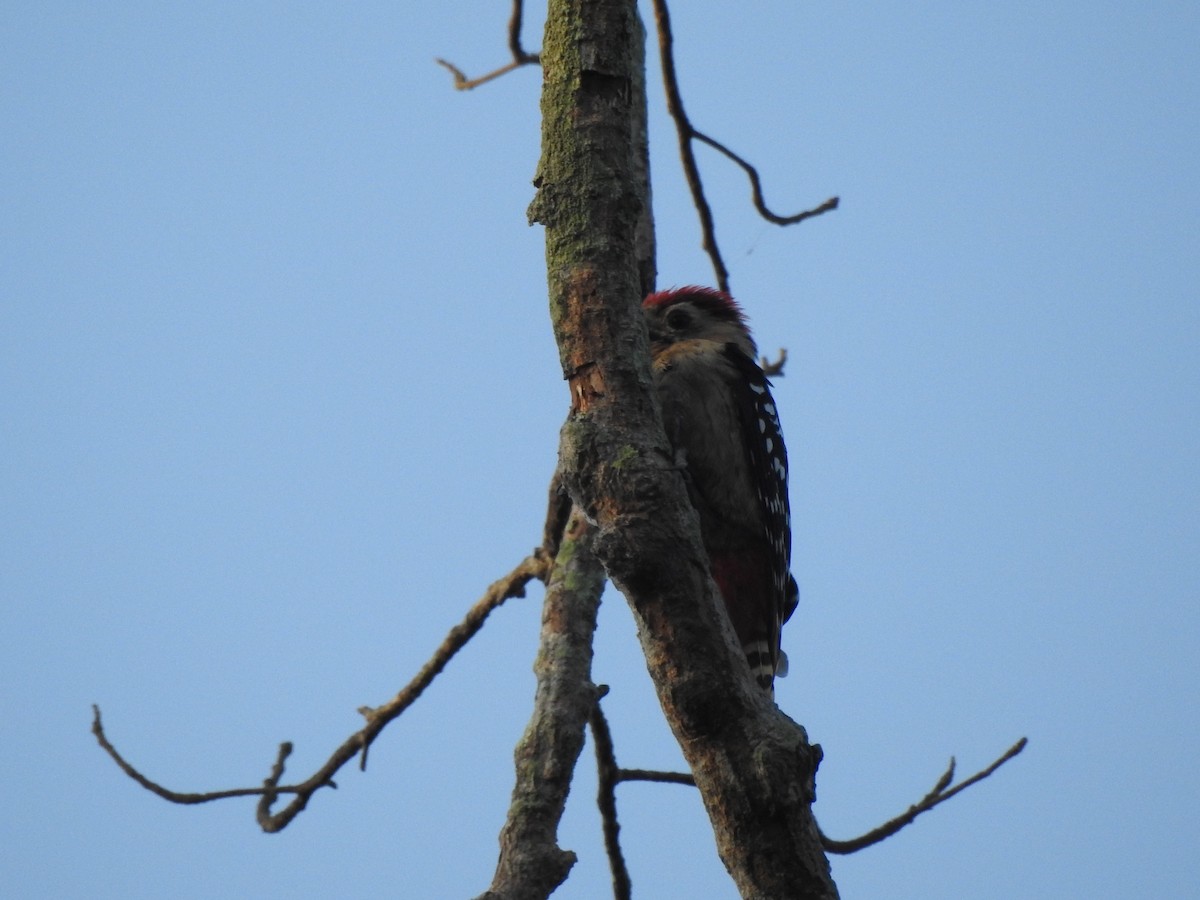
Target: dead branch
pixel 774 369
pixel 531 864
pixel 166 793
pixel 939 794
pixel 608 776
pixel 683 129
pixel 656 776
pixel 511 585
pixel 558 511
pixel 756 193
pixel 519 54
pixel 687 133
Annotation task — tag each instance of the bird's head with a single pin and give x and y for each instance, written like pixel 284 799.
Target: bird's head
pixel 696 314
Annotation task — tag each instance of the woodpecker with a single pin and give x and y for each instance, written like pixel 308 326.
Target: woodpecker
pixel 723 426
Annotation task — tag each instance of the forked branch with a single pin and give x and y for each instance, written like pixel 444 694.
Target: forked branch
pixel 940 793
pixel 610 775
pixel 520 57
pixel 512 585
pixel 756 194
pixel 687 133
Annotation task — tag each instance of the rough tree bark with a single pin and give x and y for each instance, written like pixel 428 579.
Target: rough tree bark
pixel 754 766
pixel 531 863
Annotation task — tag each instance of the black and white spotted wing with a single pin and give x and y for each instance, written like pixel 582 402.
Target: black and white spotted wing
pixel 768 462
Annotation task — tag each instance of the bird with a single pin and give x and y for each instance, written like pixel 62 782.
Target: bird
pixel 723 427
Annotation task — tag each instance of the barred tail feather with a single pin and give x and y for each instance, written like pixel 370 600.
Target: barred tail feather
pixel 758 655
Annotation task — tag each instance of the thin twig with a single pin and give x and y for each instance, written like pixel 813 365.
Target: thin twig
pixel 687 132
pixel 684 130
pixel 655 775
pixel 774 369
pixel 514 34
pixel 937 795
pixel 519 54
pixel 608 776
pixel 558 511
pixel 512 585
pixel 270 788
pixel 167 794
pixel 756 187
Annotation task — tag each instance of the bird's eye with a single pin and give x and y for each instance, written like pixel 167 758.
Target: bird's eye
pixel 678 318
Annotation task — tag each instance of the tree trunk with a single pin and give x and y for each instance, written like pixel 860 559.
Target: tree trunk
pixel 753 765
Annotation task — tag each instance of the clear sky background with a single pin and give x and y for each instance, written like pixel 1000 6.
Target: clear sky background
pixel 279 398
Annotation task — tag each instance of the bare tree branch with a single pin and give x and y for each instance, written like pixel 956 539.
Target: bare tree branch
pixel 608 775
pixel 166 793
pixel 656 776
pixel 514 34
pixel 774 369
pixel 531 864
pixel 936 796
pixel 512 585
pixel 756 187
pixel 520 56
pixel 686 133
pixel 558 511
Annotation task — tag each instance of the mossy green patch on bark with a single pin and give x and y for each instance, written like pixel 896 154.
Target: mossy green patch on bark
pixel 625 456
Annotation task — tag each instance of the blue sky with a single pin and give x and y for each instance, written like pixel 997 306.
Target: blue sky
pixel 280 398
